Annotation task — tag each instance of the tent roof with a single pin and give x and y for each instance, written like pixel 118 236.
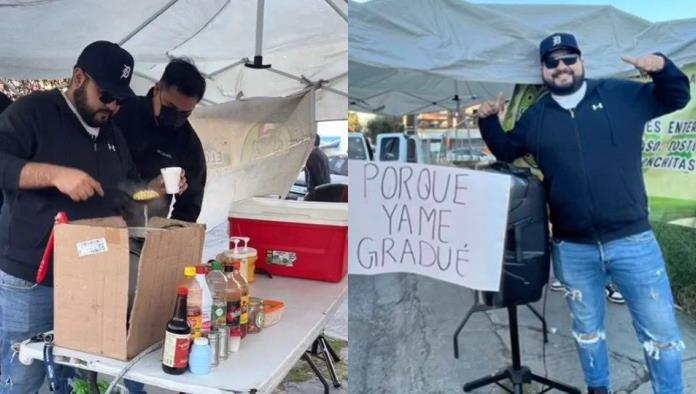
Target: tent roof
pixel 42 39
pixel 402 62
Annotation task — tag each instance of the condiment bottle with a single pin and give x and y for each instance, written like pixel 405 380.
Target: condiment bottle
pixel 218 286
pixel 206 298
pixel 233 295
pixel 244 317
pixel 193 301
pixel 177 338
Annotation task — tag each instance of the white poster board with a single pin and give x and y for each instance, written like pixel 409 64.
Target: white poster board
pixel 442 222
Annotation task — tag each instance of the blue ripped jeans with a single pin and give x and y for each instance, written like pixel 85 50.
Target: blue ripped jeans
pixel 636 266
pixel 24 312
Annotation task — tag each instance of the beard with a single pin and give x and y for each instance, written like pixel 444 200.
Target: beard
pixel 564 90
pixel 93 118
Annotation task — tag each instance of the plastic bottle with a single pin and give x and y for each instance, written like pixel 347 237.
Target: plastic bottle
pixel 199 360
pixel 193 302
pixel 233 295
pixel 206 299
pixel 244 316
pixel 218 285
pixel 177 338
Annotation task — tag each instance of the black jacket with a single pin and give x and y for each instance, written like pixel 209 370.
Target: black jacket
pixel 153 149
pixel 317 171
pixel 591 156
pixel 42 128
pixel 4 103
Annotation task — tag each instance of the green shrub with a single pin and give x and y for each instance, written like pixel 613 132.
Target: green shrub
pixel 678 245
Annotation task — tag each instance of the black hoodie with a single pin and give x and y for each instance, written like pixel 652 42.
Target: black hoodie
pixel 42 128
pixel 154 148
pixel 591 155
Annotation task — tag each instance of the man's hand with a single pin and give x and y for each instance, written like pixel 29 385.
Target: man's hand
pixel 489 108
pixel 646 64
pixel 77 184
pixel 183 184
pixel 158 184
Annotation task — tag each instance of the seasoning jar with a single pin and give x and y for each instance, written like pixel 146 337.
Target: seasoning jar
pixel 256 315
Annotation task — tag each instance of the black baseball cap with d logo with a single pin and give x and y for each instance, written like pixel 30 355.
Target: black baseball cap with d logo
pixel 110 66
pixel 558 41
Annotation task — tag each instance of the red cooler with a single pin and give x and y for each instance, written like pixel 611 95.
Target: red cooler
pixel 300 239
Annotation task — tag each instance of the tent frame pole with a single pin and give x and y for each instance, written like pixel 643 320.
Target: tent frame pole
pixel 228 67
pixel 147 22
pixel 338 10
pixel 258 54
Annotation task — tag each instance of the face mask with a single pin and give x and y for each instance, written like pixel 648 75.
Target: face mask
pixel 169 118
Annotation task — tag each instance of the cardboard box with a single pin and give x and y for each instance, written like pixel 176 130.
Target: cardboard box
pixel 299 239
pixel 91 283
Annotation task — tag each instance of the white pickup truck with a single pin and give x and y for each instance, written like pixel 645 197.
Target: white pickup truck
pixel 414 149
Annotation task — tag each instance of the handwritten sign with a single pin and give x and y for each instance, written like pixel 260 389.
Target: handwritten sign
pixel 445 223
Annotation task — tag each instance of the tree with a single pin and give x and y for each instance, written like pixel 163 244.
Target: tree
pixel 354 122
pixel 384 124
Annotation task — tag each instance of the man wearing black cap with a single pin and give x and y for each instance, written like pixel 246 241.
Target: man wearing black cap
pixel 58 152
pixel 586 137
pixel 159 135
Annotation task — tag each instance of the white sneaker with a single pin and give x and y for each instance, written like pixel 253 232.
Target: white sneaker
pixel 613 294
pixel 556 285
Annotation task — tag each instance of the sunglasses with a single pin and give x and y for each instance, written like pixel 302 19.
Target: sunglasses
pixel 107 98
pixel 568 60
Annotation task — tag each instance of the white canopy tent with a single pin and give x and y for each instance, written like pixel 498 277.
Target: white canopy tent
pixel 258 122
pixel 303 42
pixel 422 57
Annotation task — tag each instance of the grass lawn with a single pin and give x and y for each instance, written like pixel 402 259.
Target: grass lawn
pixel 678 245
pixel 301 372
pixel 668 209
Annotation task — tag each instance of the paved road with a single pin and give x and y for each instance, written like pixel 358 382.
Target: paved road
pixel 401 329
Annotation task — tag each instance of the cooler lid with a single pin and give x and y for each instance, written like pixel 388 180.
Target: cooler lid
pixel 308 212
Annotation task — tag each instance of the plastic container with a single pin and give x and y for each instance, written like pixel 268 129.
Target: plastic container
pixel 295 238
pixel 244 305
pixel 199 359
pixel 273 311
pixel 246 255
pixel 193 302
pixel 206 298
pixel 233 295
pixel 218 284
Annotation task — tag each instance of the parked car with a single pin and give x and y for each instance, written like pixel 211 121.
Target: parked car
pixel 464 154
pixel 401 147
pixel 338 166
pixel 358 147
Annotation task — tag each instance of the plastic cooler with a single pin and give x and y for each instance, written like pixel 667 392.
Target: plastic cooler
pixel 299 239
